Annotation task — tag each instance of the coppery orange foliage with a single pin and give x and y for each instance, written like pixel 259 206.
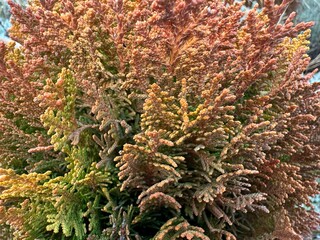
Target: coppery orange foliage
pixel 185 119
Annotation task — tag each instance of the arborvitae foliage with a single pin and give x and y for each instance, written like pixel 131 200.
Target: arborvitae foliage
pixel 125 119
pixel 307 10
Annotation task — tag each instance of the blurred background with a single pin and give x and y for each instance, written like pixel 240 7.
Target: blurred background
pixel 5 18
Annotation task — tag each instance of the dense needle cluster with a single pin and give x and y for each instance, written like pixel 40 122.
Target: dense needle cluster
pixel 153 119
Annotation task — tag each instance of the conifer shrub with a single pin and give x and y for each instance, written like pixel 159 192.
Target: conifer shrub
pixel 187 119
